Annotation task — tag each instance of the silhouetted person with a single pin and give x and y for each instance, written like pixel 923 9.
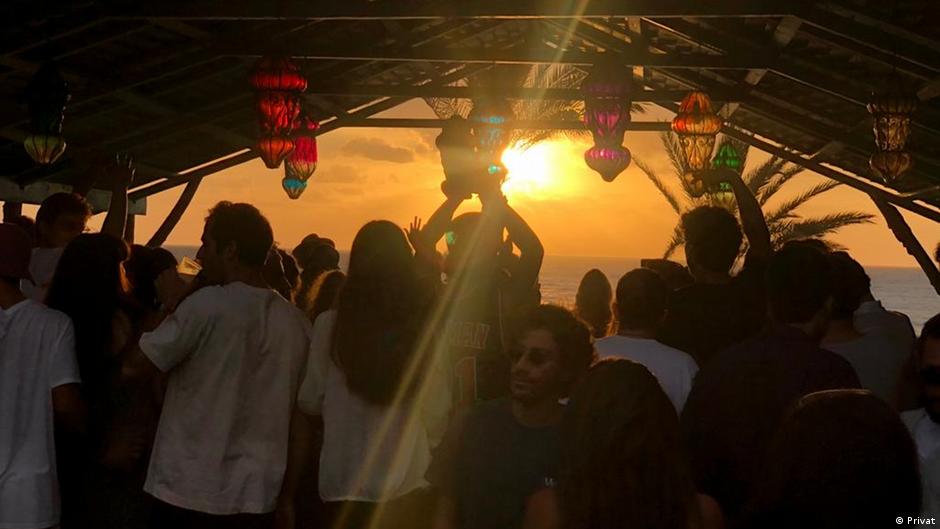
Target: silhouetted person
pixel 592 302
pixel 839 459
pixel 314 255
pixel 143 268
pixel 620 428
pixel 39 384
pixel 674 274
pixel 875 358
pixel 739 397
pixel 642 297
pixel 503 451
pixel 719 309
pixel 924 422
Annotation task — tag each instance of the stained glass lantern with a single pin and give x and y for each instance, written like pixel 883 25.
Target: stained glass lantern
pixel 273 150
pixel 293 187
pixel 278 74
pixel 696 124
pixel 891 122
pixel 278 112
pixel 491 125
pixel 46 95
pixel 608 161
pixel 302 161
pixel 693 184
pixel 727 157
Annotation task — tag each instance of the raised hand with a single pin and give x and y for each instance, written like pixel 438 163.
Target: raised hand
pixel 122 171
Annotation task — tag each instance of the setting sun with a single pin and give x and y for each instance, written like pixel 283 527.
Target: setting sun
pixel 533 172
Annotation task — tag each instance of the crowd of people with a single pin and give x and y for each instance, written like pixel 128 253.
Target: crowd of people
pixel 426 389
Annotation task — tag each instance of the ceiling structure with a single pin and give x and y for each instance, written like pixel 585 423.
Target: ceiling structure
pixel 168 81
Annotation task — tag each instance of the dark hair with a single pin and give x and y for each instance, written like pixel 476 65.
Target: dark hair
pixel 798 283
pixel 143 267
pixel 817 244
pixel 841 458
pixel 931 331
pixel 570 334
pixel 324 292
pixel 642 298
pixel 592 302
pixel 850 284
pixel 245 227
pixel 622 460
pixel 380 312
pixel 58 204
pixel 712 238
pixel 319 260
pixel 674 274
pixel 291 271
pixel 89 288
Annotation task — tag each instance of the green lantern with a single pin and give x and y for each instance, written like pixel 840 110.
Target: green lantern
pixel 728 158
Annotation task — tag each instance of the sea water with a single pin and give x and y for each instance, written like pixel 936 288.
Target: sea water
pixel 902 289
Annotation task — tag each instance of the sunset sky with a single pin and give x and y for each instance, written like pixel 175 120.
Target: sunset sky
pixel 395 174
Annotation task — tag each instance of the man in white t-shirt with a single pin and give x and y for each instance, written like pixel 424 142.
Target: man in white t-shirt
pixel 640 308
pixel 924 423
pixel 39 381
pixel 234 354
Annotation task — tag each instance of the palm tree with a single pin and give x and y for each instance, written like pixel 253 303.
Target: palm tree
pixel 765 181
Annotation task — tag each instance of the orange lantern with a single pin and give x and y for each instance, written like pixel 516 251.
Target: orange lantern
pixel 273 150
pixel 890 164
pixel 891 123
pixel 696 124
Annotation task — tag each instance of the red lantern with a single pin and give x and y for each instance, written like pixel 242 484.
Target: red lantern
pixel 302 161
pixel 890 165
pixel 608 161
pixel 273 150
pixel 278 74
pixel 278 112
pixel 44 148
pixel 607 102
pixel 696 124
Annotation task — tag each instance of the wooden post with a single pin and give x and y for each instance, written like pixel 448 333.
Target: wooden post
pixel 902 231
pixel 173 217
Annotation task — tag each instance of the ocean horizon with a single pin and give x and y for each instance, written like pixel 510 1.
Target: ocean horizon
pixel 905 290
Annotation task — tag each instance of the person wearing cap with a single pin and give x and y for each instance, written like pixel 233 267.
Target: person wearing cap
pixel 315 255
pixel 39 383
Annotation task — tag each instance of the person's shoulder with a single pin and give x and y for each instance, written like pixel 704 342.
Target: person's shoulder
pixel 677 355
pixel 48 316
pixel 910 418
pixel 488 411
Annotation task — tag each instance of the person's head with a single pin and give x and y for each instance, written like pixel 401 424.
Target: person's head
pixel 550 352
pixel 850 285
pixel 324 292
pixel 622 460
pixel 712 240
pixel 28 225
pixel 143 268
pixel 641 302
pixel 592 302
pixel 841 458
pixel 15 252
pixel 379 314
pixel 468 247
pixel 90 287
pixel 303 252
pixel 799 289
pixel 674 274
pixel 928 366
pixel 61 218
pixel 236 237
pixel 817 244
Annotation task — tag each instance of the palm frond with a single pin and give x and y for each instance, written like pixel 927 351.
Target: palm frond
pixel 757 178
pixel 776 183
pixel 677 240
pixel 667 193
pixel 818 227
pixel 674 152
pixel 787 209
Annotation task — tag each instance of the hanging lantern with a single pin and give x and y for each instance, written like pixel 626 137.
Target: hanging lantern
pixel 890 164
pixel 891 123
pixel 278 112
pixel 46 95
pixel 608 161
pixel 273 150
pixel 278 74
pixel 293 187
pixel 44 148
pixel 693 184
pixel 696 124
pixel 727 157
pixel 302 161
pixel 491 125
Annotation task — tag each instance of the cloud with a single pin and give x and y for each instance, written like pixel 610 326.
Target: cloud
pixel 377 149
pixel 339 174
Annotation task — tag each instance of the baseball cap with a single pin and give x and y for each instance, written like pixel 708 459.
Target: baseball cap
pixel 15 252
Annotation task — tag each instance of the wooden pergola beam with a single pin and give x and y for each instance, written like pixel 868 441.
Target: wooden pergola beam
pixel 510 92
pixel 534 124
pixel 475 9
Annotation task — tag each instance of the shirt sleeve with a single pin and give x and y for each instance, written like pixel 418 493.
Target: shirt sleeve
pixel 63 364
pixel 180 333
pixel 313 383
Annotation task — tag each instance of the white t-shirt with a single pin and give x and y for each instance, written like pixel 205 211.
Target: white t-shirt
pixel 234 355
pixel 872 318
pixel 877 361
pixel 42 266
pixel 926 434
pixel 370 453
pixel 37 354
pixel 674 369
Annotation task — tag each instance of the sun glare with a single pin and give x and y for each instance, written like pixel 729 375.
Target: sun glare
pixel 532 172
